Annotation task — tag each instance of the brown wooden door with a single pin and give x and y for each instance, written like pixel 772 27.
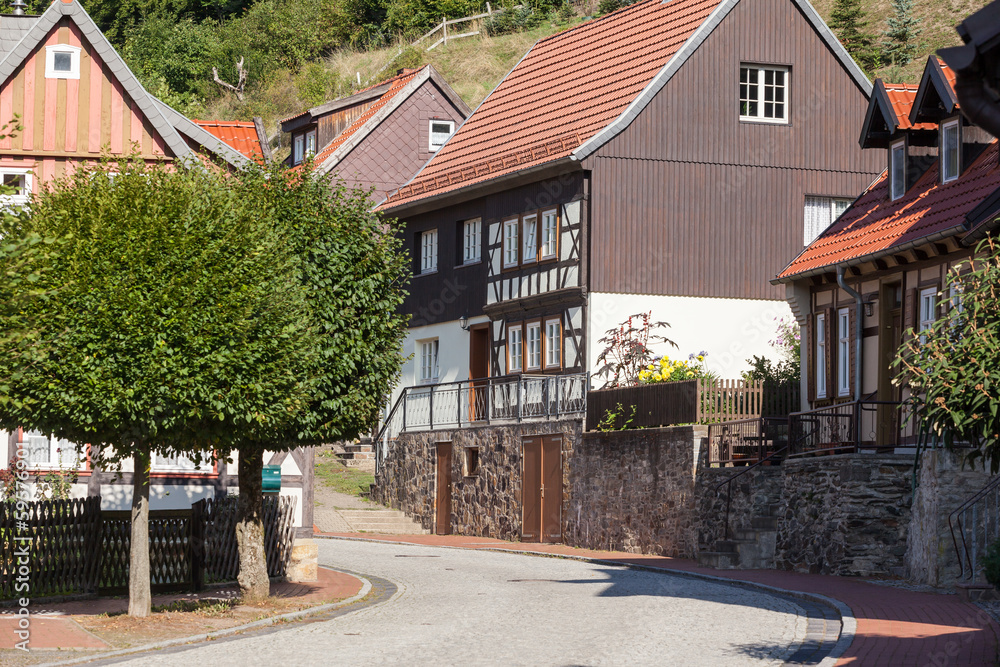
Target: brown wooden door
pixel 541 489
pixel 890 338
pixel 442 524
pixel 479 368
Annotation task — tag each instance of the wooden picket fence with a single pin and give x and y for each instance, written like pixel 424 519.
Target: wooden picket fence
pixel 690 402
pixel 75 547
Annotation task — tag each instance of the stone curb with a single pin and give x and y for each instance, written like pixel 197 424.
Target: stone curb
pixel 264 622
pixel 848 623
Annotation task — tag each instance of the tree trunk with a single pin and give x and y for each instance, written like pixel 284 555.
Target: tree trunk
pixel 253 580
pixel 139 597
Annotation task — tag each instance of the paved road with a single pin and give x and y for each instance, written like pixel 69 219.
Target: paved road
pixel 454 607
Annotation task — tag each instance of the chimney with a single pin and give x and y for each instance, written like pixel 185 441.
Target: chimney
pixel 18 6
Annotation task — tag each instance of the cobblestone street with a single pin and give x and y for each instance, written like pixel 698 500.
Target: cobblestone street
pixel 454 607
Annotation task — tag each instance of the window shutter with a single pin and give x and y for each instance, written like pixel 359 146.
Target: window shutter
pixel 910 304
pixel 809 331
pixel 831 346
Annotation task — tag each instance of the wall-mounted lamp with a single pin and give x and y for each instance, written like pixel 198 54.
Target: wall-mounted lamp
pixel 870 306
pixel 463 322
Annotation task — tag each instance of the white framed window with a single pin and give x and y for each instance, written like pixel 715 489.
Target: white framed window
pixel 897 170
pixel 310 143
pixel 428 251
pixel 764 93
pixel 843 352
pixel 62 61
pixel 550 234
pixel 553 343
pixel 298 149
pixel 533 334
pixel 470 241
pixel 179 463
pixel 510 239
pixel 951 151
pixel 429 360
pixel 17 186
pixel 820 213
pixel 515 349
pixel 45 451
pixel 820 360
pixel 529 233
pixel 439 132
pixel 928 311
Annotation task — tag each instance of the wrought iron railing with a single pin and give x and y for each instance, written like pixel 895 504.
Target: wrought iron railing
pixel 851 427
pixel 975 525
pixel 507 399
pixel 747 441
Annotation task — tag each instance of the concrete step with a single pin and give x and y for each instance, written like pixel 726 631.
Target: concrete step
pixel 976 592
pixel 356 456
pixel 359 448
pixel 383 521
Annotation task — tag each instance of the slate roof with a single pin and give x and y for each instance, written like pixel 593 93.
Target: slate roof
pixel 12 30
pixel 241 135
pixel 875 226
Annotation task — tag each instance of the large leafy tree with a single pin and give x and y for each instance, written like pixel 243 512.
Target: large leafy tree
pixel 353 271
pixel 159 310
pixel 953 368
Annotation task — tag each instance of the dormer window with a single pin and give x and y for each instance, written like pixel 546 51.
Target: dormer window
pixel 763 94
pixel 951 149
pixel 62 61
pixel 303 146
pixel 897 170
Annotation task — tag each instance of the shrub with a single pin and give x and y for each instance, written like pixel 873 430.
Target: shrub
pixel 511 20
pixel 666 369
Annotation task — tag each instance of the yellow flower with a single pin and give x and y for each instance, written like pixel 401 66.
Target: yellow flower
pixel 701 357
pixel 690 374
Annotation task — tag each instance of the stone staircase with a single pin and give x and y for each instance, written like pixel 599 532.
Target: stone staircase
pixel 382 521
pixel 751 549
pixel 356 455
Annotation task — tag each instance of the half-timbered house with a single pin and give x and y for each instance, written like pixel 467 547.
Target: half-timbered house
pixel 668 157
pixel 881 268
pixel 77 102
pixel 381 136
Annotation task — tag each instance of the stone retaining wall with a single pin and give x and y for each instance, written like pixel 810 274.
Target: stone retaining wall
pixel 634 491
pixel 751 493
pixel 486 505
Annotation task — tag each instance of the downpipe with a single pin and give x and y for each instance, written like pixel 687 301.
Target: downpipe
pixel 859 330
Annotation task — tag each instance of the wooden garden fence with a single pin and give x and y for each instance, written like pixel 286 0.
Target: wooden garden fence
pixel 74 547
pixel 690 402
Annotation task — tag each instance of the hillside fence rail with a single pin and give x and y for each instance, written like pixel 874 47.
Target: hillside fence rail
pixel 74 547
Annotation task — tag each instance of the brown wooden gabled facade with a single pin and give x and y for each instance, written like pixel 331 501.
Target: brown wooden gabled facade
pixel 690 194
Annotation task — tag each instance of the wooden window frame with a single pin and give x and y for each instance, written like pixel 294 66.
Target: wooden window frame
pixel 819 359
pixel 945 127
pixel 932 292
pixel 843 352
pixel 525 238
pixel 308 151
pixel 786 87
pixel 478 257
pixel 431 146
pixel 554 257
pixel 74 58
pixel 516 224
pixel 437 256
pixel 530 324
pixel 520 332
pixel 298 148
pixel 435 369
pixel 897 145
pixel 545 342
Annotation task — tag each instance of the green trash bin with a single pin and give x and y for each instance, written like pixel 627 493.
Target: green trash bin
pixel 271 482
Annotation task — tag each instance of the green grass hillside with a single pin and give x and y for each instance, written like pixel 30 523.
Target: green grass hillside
pixel 474 66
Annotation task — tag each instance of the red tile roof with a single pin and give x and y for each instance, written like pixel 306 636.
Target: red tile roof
pixel 240 135
pixel 949 73
pixel 901 95
pixel 396 84
pixel 567 88
pixel 875 226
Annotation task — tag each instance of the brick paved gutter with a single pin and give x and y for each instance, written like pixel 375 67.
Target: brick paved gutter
pixel 894 627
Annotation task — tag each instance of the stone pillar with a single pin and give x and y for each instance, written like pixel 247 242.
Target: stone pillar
pixel 304 564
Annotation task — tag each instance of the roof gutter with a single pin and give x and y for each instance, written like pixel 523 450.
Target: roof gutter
pixel 924 240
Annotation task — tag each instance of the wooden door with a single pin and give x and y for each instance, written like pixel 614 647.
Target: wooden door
pixel 479 368
pixel 442 523
pixel 541 489
pixel 890 338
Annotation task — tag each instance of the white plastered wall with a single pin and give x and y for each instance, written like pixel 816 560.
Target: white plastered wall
pixel 731 331
pixel 453 353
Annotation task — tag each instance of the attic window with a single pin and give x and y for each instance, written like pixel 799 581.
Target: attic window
pixel 764 94
pixel 950 151
pixel 897 170
pixel 62 61
pixel 16 187
pixel 440 130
